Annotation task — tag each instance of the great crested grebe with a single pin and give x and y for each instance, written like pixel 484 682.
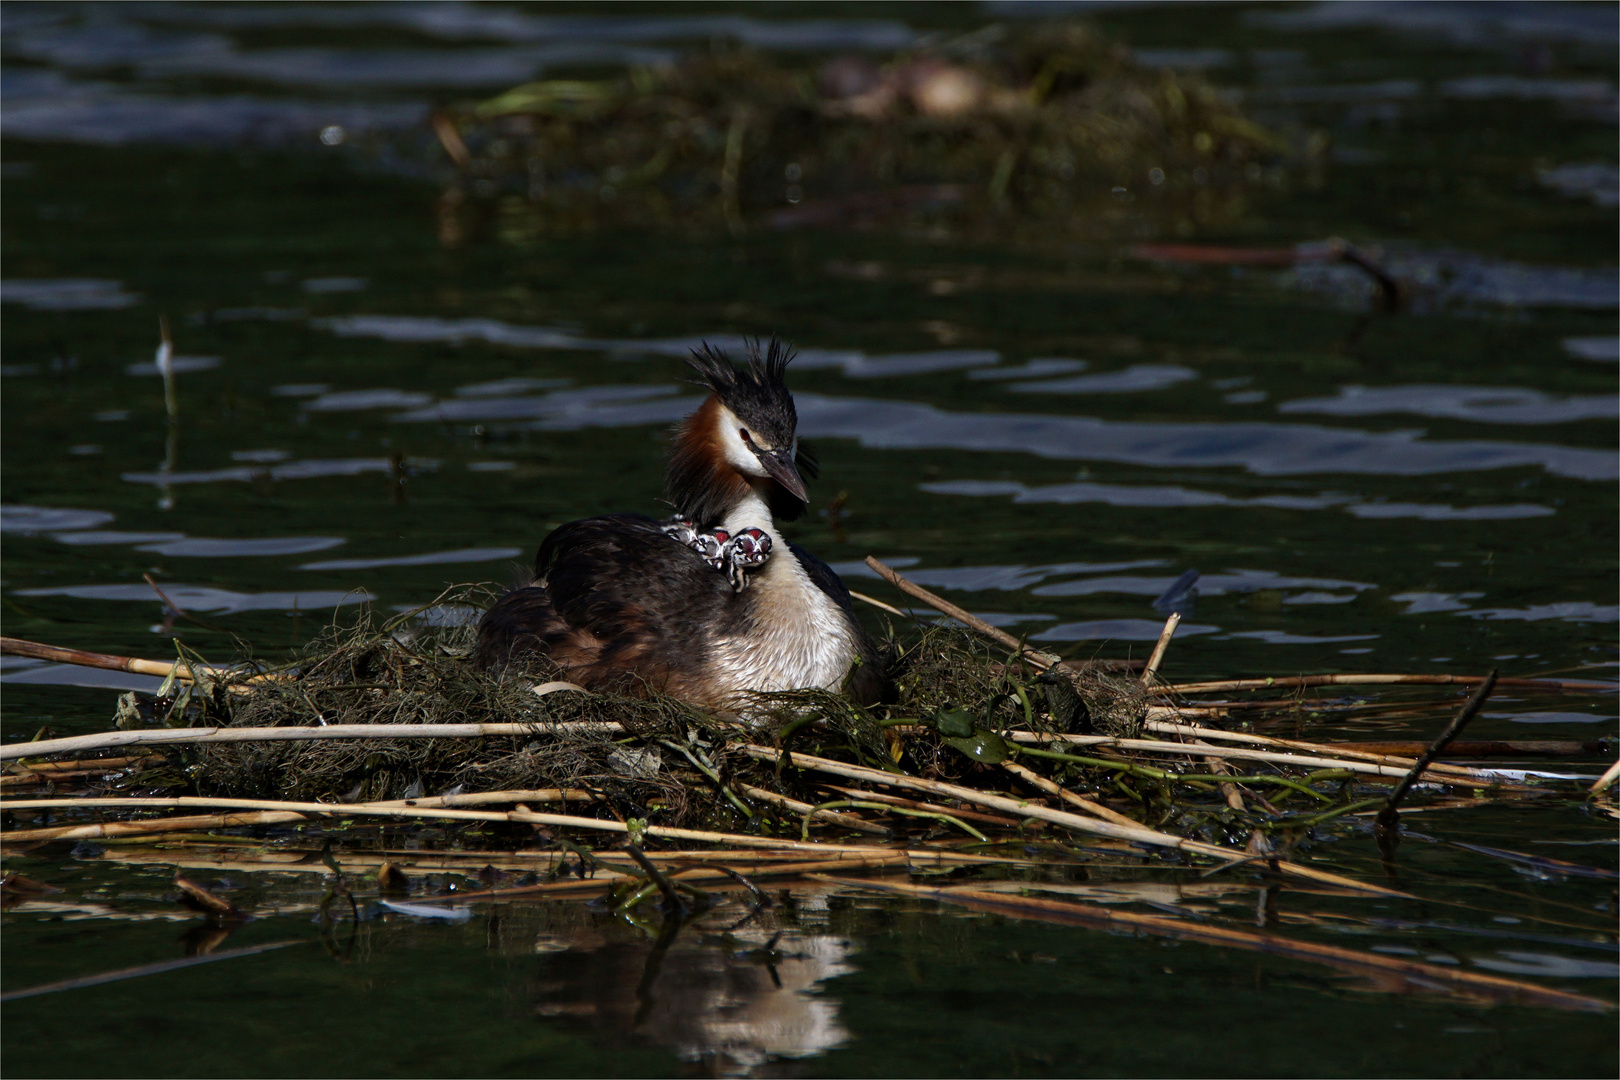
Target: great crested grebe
pixel 715 602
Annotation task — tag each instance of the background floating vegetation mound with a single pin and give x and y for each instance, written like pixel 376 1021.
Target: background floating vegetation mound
pixel 1036 127
pixel 646 755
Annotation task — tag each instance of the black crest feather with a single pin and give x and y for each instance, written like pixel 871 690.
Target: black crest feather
pixel 757 394
pixel 760 387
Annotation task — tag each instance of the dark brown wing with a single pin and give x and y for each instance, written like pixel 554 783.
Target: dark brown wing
pixel 615 602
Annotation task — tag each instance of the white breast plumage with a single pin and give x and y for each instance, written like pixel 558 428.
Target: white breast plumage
pixel 796 637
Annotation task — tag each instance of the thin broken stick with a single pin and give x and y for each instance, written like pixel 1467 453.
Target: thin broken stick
pixel 149 736
pixel 966 618
pixel 1151 672
pixel 11 646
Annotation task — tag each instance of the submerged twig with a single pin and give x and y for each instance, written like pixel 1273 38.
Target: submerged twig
pixel 1389 817
pixel 1609 776
pixel 145 969
pixel 847 821
pixel 1052 788
pixel 907 811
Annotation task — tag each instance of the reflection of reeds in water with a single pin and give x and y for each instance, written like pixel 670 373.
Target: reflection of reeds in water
pixel 1019 132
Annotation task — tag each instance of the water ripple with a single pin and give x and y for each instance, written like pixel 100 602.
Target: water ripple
pixel 1267 449
pixel 64 294
pixel 205 598
pixel 33 520
pixel 1485 404
pixel 431 558
pixel 203 547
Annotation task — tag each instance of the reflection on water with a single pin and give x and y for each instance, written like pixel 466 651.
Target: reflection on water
pixel 733 999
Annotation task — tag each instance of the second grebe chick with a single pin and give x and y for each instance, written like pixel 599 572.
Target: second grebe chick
pixel 718 602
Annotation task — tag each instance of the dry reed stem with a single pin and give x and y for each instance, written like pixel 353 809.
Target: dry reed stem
pixel 880 605
pixel 11 646
pixel 226 821
pixel 382 810
pixel 831 817
pixel 34 779
pixel 1303 681
pixel 485 798
pixel 1069 913
pixel 1607 778
pixel 1471 778
pixel 47 768
pixel 1160 647
pixel 112 829
pixel 158 736
pixel 1477 748
pixel 1054 788
pixel 913 804
pixel 1333 749
pixel 1134 833
pixel 961 615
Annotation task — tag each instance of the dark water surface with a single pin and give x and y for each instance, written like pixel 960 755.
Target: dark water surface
pixel 1048 436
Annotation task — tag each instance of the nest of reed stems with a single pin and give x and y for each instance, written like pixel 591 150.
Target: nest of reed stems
pixel 1005 131
pixel 648 756
pixel 973 722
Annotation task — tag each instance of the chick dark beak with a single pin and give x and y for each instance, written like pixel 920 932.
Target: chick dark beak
pixel 780 465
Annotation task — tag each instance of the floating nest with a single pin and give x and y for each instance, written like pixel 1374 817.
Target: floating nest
pixel 645 755
pixel 1007 130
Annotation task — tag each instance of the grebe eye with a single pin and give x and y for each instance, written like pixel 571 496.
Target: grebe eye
pixel 744 433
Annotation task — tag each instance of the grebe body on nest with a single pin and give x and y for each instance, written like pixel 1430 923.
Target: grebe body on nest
pixel 715 602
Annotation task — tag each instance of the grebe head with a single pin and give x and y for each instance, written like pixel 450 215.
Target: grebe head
pixel 743 438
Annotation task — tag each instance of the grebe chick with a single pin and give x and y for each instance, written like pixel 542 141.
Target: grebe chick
pixel 716 602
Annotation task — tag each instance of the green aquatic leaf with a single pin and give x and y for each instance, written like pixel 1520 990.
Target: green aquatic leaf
pixel 954 722
pixel 982 746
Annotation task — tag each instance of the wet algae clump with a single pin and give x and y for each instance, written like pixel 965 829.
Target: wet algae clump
pixel 1000 132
